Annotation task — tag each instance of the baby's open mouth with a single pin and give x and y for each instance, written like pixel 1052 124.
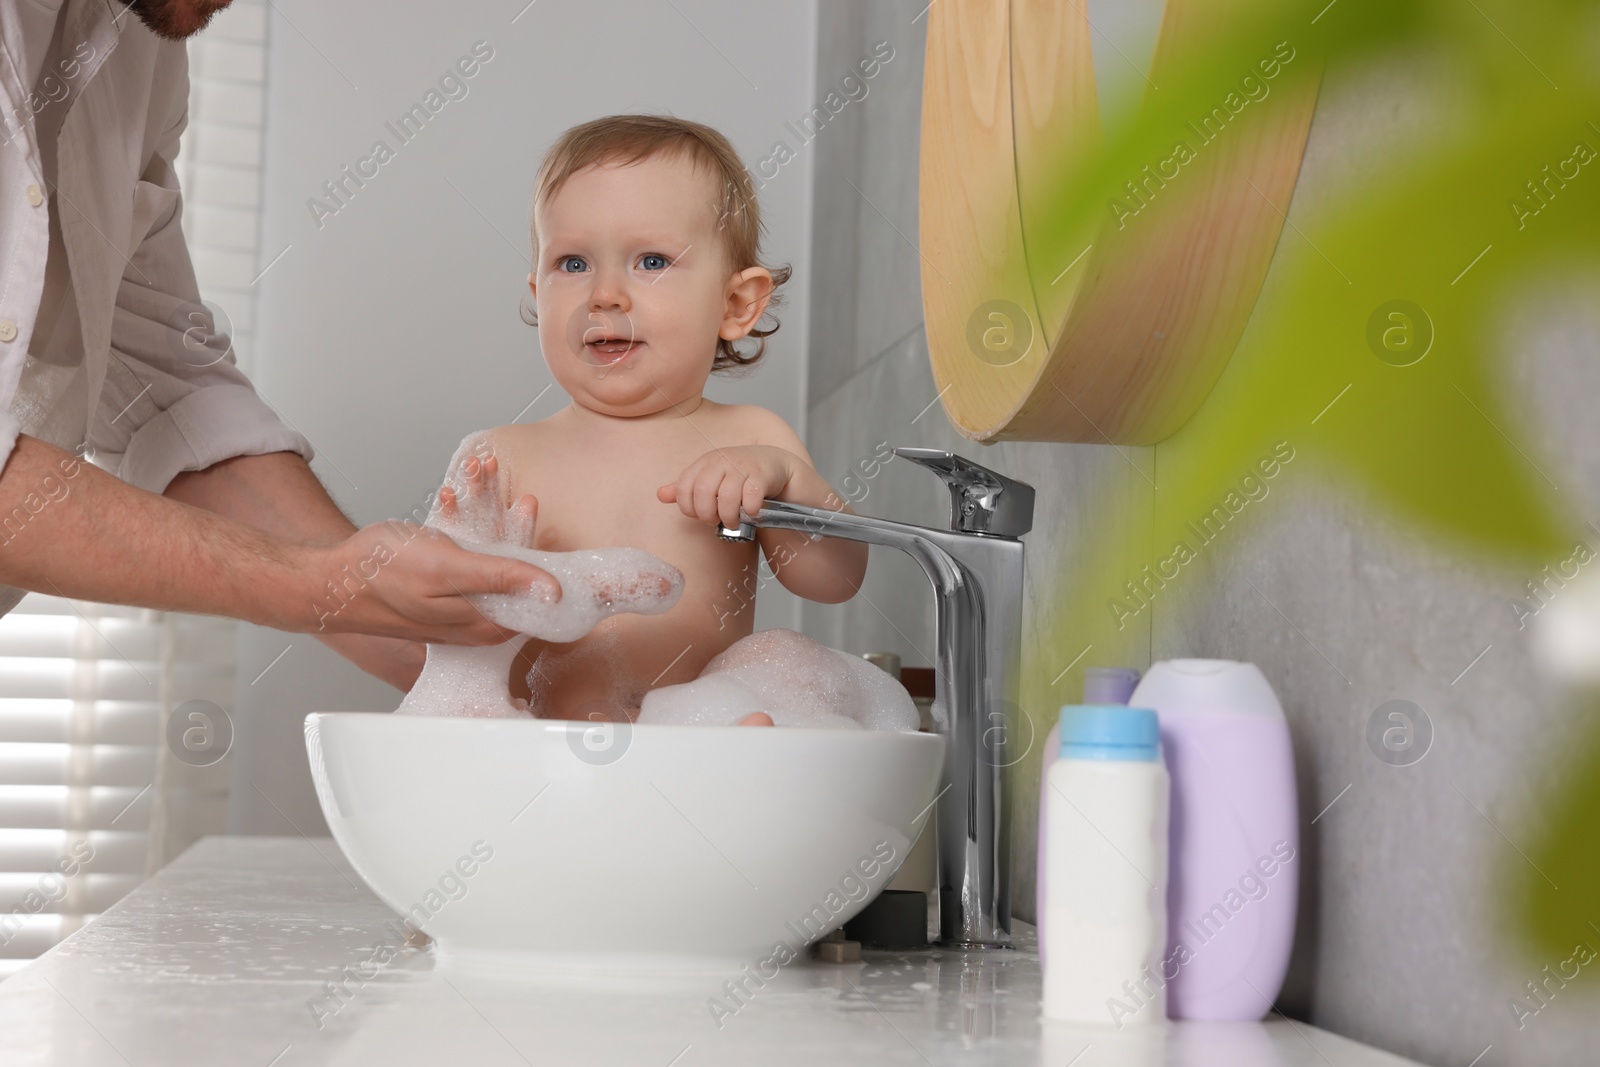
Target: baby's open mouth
pixel 614 347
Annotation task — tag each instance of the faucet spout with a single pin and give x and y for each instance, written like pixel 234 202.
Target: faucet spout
pixel 977 586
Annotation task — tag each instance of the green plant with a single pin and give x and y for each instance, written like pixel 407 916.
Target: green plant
pixel 1499 196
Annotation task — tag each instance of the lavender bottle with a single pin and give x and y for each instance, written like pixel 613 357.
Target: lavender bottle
pixel 1234 849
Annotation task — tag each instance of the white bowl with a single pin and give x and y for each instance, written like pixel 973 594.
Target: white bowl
pixel 572 845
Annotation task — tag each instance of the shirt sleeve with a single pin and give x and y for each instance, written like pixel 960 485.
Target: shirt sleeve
pixel 173 398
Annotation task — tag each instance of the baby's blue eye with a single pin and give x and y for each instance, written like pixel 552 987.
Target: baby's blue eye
pixel 653 261
pixel 565 260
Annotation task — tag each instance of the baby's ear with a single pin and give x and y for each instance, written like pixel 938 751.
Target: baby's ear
pixel 748 296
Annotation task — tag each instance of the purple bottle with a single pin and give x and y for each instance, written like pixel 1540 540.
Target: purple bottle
pixel 1101 685
pixel 1234 867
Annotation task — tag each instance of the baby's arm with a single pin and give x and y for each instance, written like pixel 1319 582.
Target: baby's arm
pixel 472 503
pixel 715 486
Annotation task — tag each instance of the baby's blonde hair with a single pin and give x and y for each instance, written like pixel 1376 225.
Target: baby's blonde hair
pixel 631 139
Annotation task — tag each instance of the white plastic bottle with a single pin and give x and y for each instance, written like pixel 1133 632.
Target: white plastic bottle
pixel 1106 890
pixel 1101 685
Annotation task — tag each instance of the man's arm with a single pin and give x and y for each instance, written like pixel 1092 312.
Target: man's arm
pixel 279 494
pixel 276 493
pixel 68 528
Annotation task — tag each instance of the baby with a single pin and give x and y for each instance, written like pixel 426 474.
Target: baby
pixel 646 234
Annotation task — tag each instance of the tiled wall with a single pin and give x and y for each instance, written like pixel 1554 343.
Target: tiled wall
pixel 1402 937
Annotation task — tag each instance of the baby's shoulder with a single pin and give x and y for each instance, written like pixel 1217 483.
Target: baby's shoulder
pixel 483 443
pixel 511 446
pixel 518 436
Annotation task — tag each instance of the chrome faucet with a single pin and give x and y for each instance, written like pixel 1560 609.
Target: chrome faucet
pixel 976 571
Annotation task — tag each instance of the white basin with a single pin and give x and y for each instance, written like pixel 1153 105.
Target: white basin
pixel 544 844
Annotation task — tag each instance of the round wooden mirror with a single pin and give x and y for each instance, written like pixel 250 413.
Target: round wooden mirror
pixel 1121 340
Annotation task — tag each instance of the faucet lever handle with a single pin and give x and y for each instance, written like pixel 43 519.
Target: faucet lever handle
pixel 981 500
pixel 744 532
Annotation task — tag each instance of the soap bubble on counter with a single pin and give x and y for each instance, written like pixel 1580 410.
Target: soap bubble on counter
pixel 797 681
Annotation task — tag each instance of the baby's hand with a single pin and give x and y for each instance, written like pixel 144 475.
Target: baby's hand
pixel 713 487
pixel 478 515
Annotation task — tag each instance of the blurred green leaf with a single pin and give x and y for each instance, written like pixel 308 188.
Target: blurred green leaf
pixel 1439 227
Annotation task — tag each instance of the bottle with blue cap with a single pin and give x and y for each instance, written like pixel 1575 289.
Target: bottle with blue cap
pixel 1105 898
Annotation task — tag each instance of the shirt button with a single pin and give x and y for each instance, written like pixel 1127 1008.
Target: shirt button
pixel 8 329
pixel 35 197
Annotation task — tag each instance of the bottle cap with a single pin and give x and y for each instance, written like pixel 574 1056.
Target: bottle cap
pixel 1181 687
pixel 1109 732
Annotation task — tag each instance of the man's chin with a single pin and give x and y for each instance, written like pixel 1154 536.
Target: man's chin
pixel 176 20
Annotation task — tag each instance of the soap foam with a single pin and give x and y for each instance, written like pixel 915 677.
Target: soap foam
pixel 792 678
pixel 595 584
pixel 466 681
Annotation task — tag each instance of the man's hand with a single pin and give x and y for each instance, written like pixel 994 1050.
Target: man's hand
pixel 399 579
pixel 713 487
pixel 278 494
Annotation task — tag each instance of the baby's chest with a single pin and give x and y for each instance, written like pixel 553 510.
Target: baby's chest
pixel 600 491
pixel 599 500
pixel 615 513
pixel 714 570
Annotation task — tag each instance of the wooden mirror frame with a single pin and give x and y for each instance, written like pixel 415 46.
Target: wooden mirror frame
pixel 1126 341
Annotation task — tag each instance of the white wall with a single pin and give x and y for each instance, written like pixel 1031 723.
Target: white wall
pixel 391 332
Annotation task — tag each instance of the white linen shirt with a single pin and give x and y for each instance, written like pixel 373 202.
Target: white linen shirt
pixel 104 346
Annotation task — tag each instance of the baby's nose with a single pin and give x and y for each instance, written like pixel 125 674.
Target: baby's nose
pixel 609 291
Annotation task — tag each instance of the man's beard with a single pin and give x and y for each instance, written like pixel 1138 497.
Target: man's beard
pixel 176 20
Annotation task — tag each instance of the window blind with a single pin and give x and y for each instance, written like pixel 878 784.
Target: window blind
pixel 93 795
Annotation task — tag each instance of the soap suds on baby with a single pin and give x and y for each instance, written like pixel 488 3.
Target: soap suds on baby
pixel 795 680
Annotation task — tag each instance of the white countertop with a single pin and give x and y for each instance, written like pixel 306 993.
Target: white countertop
pixel 223 955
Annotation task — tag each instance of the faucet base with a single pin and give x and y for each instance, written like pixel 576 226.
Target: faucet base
pixel 976 946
